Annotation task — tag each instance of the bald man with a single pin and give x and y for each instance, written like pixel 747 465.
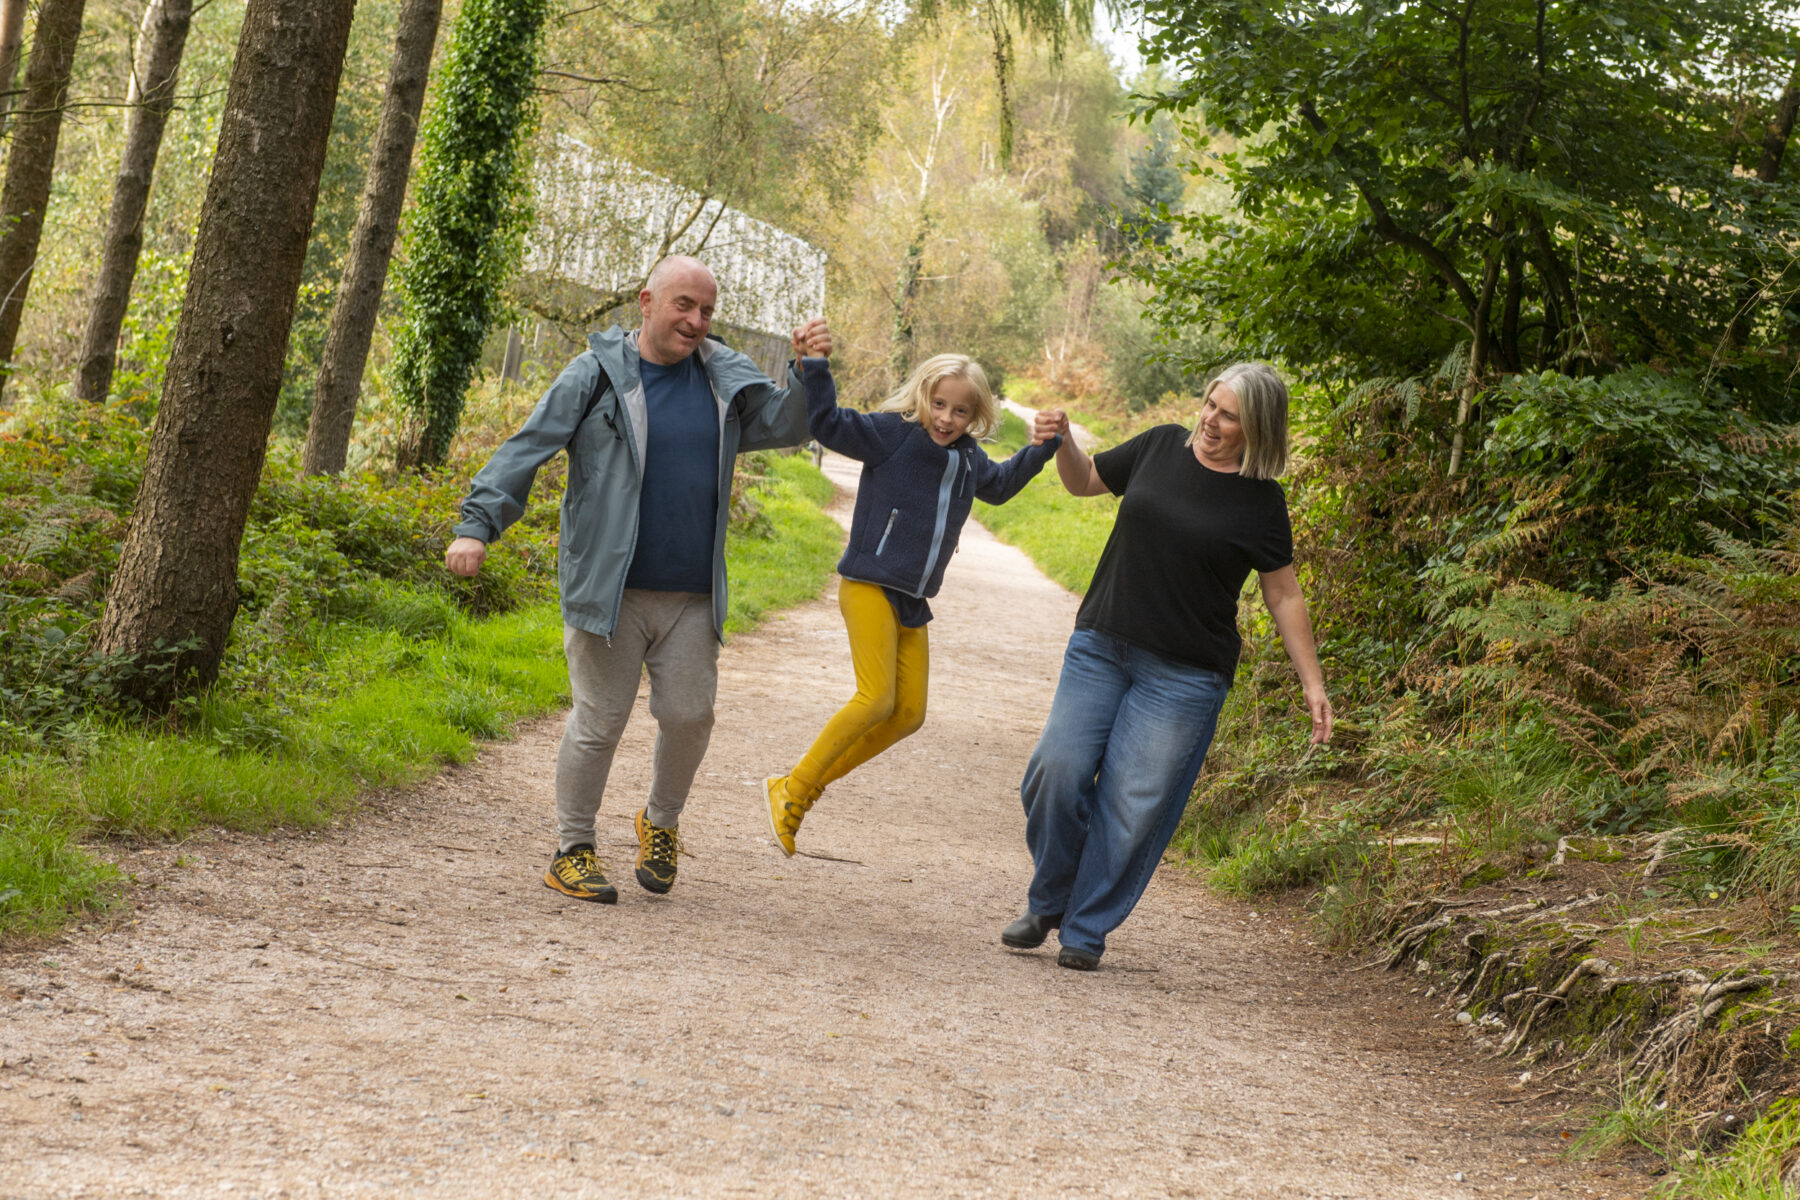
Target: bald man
pixel 652 420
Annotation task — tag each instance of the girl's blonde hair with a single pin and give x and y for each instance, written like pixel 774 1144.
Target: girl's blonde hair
pixel 1262 415
pixel 913 400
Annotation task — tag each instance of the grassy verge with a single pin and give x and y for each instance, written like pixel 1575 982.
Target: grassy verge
pixel 799 545
pixel 406 683
pixel 1062 534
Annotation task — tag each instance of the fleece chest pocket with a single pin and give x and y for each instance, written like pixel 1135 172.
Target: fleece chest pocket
pixel 887 531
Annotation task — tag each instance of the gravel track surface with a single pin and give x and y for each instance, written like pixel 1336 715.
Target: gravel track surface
pixel 399 1007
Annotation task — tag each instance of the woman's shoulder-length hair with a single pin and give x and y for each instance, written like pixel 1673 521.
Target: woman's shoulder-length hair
pixel 1262 414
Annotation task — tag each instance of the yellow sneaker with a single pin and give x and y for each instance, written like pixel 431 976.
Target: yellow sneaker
pixel 657 850
pixel 785 812
pixel 576 872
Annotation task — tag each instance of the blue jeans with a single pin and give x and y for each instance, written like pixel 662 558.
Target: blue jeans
pixel 1110 777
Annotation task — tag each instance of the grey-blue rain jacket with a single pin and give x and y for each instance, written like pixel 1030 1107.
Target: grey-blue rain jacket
pixel 596 411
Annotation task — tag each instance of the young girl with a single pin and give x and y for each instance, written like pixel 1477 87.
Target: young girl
pixel 922 471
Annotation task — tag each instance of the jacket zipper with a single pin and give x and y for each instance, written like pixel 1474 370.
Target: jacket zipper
pixel 882 544
pixel 631 452
pixel 952 474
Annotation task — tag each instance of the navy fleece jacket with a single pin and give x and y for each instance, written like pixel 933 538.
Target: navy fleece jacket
pixel 914 494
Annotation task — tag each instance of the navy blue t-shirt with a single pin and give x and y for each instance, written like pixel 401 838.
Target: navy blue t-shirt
pixel 680 501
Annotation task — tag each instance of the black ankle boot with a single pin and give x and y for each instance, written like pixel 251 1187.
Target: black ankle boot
pixel 1029 931
pixel 1077 960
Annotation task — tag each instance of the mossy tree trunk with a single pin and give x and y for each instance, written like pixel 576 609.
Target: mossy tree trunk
pixel 153 78
pixel 372 244
pixel 468 227
pixel 173 597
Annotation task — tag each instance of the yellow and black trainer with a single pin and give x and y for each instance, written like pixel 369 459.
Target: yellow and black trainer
pixel 577 872
pixel 785 812
pixel 657 850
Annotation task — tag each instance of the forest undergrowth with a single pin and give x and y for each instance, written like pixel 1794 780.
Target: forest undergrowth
pixel 356 660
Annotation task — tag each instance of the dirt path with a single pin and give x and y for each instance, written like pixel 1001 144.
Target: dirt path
pixel 401 1007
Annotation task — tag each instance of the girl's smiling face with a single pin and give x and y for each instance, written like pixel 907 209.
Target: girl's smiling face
pixel 950 409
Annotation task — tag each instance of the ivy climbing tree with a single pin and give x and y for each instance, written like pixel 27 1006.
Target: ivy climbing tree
pixel 472 213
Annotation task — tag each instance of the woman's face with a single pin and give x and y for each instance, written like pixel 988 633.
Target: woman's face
pixel 1221 441
pixel 951 408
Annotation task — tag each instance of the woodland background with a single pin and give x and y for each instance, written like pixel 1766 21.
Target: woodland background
pixel 1530 267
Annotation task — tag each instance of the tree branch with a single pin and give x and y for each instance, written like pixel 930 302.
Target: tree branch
pixel 1388 228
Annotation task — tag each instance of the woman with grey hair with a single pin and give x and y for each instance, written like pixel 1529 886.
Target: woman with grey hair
pixel 1154 651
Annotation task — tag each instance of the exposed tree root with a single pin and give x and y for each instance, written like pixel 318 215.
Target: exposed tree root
pixel 1526 970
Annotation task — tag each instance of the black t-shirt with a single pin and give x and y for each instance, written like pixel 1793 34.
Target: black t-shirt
pixel 1185 540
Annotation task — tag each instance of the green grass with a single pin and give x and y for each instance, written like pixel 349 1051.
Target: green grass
pixel 1633 1119
pixel 1749 1169
pixel 793 564
pixel 409 684
pixel 1062 534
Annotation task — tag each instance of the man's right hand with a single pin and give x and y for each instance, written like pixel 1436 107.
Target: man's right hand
pixel 813 339
pixel 464 555
pixel 1048 423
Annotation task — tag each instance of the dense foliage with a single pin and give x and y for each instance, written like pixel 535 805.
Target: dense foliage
pixel 1562 185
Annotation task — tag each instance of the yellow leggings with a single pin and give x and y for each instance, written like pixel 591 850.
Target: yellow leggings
pixel 892 664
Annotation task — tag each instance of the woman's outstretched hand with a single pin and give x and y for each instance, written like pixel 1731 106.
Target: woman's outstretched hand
pixel 1048 423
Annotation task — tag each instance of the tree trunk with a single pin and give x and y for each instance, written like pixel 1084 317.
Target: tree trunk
pixel 153 74
pixel 12 39
pixel 1775 137
pixel 1768 170
pixel 907 297
pixel 1479 350
pixel 372 244
pixel 31 161
pixel 174 594
pixel 1511 359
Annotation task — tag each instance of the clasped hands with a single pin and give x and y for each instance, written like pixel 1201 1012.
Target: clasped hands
pixel 812 340
pixel 1047 423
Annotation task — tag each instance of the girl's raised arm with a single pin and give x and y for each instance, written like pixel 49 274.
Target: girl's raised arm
pixel 850 433
pixel 996 483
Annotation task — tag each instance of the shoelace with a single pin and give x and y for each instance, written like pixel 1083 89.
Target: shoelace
pixel 586 862
pixel 665 844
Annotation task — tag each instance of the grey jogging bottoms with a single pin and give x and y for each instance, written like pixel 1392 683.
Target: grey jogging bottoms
pixel 670 634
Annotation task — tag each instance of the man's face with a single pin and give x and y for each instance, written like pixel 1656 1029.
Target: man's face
pixel 677 314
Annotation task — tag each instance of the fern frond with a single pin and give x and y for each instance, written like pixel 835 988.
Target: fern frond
pixel 1454 366
pixel 1410 394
